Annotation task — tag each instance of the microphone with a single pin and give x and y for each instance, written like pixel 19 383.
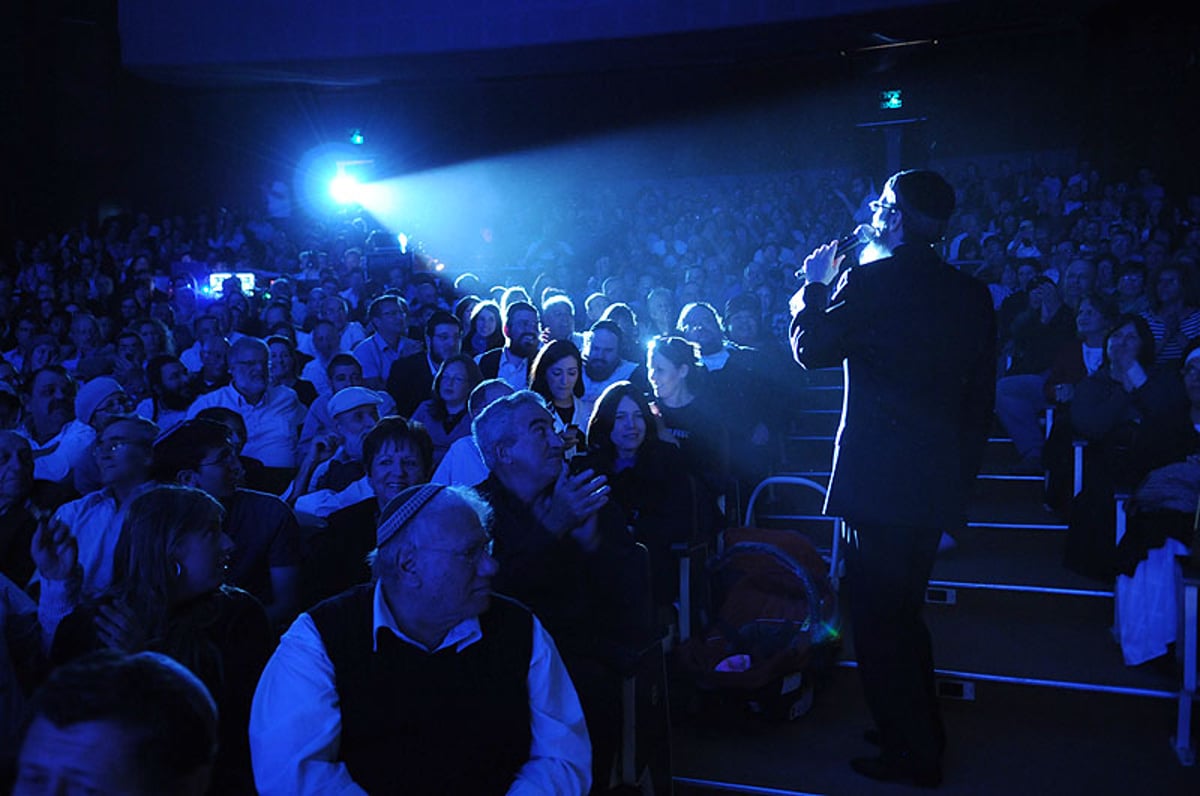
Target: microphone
pixel 862 234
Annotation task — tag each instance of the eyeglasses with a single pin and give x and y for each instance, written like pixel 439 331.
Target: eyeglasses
pixel 876 205
pixel 471 555
pixel 250 363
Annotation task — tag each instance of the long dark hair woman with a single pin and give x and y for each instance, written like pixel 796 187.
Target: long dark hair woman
pixel 557 376
pixel 168 595
pixel 663 502
pixel 444 413
pixel 677 376
pixel 485 330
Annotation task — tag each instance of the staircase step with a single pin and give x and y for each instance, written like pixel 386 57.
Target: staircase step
pixel 1035 639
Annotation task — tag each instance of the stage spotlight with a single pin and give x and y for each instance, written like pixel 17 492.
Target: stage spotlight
pixel 344 188
pixel 357 138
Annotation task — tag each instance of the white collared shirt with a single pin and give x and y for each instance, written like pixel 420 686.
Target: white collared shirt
pixel 272 424
pixel 296 721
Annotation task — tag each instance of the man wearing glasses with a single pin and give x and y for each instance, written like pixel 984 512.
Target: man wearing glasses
pixel 273 414
pixel 124 454
pixel 423 681
pixel 916 339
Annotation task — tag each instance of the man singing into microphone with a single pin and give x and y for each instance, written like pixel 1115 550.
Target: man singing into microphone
pixel 916 339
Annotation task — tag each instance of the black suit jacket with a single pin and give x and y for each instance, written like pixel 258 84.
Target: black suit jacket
pixel 917 341
pixel 409 382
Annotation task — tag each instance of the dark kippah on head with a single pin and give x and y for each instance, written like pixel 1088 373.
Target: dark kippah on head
pixel 926 192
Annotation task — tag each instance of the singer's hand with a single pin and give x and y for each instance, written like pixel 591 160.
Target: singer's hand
pixel 822 265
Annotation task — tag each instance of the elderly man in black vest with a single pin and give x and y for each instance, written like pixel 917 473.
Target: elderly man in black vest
pixel 917 339
pixel 423 681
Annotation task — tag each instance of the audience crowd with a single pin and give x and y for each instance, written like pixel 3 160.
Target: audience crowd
pixel 189 462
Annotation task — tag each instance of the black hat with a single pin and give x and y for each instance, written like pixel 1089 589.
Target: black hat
pixel 926 192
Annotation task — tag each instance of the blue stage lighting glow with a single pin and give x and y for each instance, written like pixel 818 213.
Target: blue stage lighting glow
pixel 344 188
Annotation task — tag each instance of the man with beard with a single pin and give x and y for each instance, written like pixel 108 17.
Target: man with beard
pixel 916 339
pixel 273 415
pixel 602 365
pixel 333 475
pixel 171 393
pixel 511 362
pixel 411 377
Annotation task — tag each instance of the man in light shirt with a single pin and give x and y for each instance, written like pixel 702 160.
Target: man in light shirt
pixel 273 414
pixel 450 667
pixel 389 317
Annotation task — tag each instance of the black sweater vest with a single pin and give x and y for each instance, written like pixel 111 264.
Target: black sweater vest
pixel 420 723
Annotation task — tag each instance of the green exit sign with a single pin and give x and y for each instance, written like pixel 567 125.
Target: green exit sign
pixel 890 100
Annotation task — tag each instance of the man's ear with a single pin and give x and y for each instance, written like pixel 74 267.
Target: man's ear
pixel 502 453
pixel 188 478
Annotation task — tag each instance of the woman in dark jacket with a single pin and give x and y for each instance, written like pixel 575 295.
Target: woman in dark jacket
pixel 1120 411
pixel 662 502
pixel 168 596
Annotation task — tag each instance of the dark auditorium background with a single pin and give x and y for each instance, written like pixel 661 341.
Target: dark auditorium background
pixel 125 103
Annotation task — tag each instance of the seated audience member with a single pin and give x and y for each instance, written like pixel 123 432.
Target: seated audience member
pixel 1173 317
pixel 650 481
pixel 170 392
pixel 1040 338
pixel 283 369
pixel 732 379
pixel 57 438
pixel 213 373
pixel 167 595
pixel 156 337
pixel 344 371
pixel 97 402
pixel 18 516
pixel 463 463
pixel 631 334
pixel 1114 410
pixel 558 320
pixel 324 349
pixel 135 724
pixel 202 326
pixel 603 365
pixel 564 551
pixel 273 415
pixel 267 546
pixel 483 331
pixel 382 688
pixel 1131 288
pixel 557 376
pixel 333 474
pixel 254 473
pixel 397 454
pixel 389 342
pixel 595 305
pixel 87 339
pixel 123 452
pixel 410 377
pixel 1075 361
pixel 661 313
pixel 43 351
pixel 1161 514
pixel 512 361
pixel 444 414
pixel 676 375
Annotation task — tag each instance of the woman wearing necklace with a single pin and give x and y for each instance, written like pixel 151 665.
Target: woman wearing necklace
pixel 556 377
